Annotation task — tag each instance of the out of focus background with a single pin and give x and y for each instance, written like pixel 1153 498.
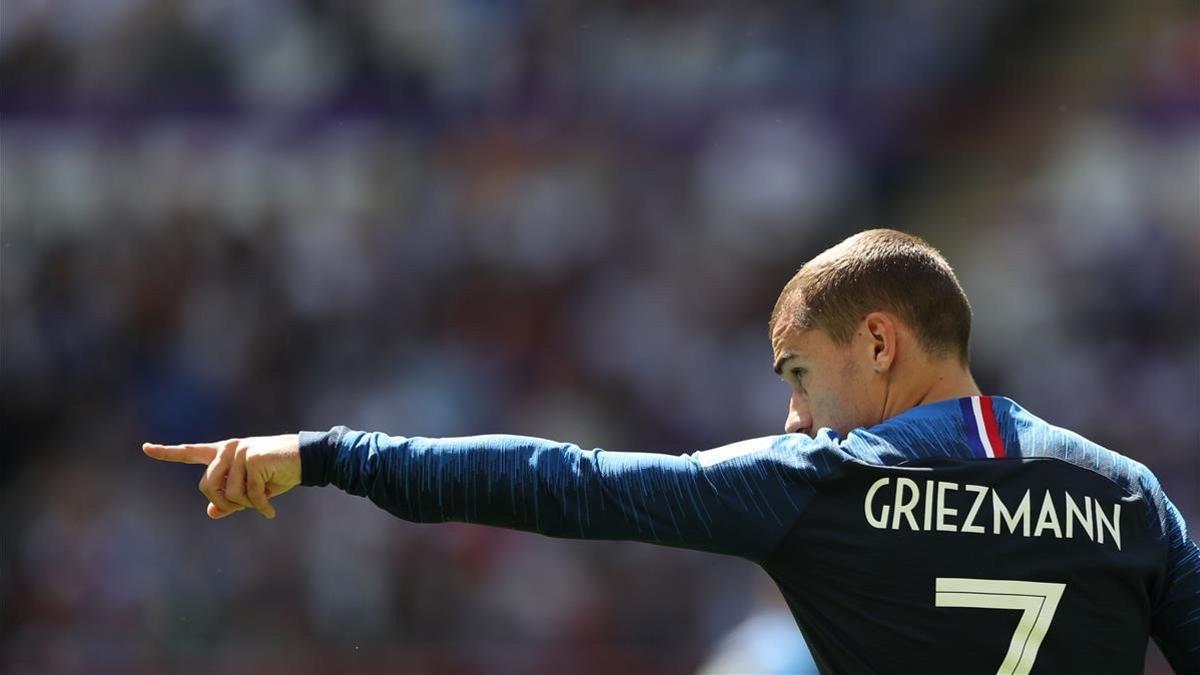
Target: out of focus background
pixel 565 220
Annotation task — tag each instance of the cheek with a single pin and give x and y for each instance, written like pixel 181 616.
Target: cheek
pixel 855 404
pixel 826 403
pixel 840 411
pixel 838 404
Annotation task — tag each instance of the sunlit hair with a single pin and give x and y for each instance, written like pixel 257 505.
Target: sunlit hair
pixel 880 270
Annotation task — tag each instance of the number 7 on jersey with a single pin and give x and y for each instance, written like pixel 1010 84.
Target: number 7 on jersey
pixel 1037 601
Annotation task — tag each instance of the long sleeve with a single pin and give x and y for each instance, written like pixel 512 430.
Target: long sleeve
pixel 1176 619
pixel 739 499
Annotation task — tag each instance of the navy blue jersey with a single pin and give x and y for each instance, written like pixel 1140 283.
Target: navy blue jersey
pixel 961 536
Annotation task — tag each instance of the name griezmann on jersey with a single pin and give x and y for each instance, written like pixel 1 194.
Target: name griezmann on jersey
pixel 942 506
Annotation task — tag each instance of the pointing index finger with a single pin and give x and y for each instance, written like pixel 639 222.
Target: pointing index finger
pixel 201 453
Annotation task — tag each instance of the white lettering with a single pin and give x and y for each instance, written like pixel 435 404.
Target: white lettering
pixel 1047 518
pixel 981 492
pixel 905 508
pixel 1000 511
pixel 1103 523
pixel 1084 517
pixel 942 509
pixel 928 505
pixel 882 520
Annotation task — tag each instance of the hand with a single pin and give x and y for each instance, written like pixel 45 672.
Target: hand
pixel 242 472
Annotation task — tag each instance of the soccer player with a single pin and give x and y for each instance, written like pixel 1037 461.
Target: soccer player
pixel 911 523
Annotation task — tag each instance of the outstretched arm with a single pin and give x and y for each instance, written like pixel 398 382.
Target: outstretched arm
pixel 738 499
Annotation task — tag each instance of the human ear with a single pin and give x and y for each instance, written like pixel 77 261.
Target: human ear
pixel 880 331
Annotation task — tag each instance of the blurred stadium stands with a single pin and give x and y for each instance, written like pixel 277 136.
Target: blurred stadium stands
pixel 567 220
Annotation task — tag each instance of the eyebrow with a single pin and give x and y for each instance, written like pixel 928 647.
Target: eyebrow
pixel 783 358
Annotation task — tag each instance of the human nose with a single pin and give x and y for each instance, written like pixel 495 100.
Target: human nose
pixel 799 419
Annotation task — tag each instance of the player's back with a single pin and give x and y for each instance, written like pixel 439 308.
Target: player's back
pixel 969 536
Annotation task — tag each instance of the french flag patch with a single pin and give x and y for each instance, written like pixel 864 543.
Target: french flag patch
pixel 983 433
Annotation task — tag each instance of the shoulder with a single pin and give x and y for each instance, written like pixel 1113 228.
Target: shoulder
pixel 1039 438
pixel 817 455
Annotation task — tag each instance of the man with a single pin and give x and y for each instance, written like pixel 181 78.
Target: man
pixel 912 524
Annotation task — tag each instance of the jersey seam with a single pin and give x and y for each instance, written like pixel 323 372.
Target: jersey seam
pixel 817 489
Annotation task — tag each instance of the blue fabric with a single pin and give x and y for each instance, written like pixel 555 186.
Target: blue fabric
pixel 750 499
pixel 740 506
pixel 972 429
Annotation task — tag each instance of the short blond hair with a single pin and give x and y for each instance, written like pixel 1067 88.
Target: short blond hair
pixel 880 270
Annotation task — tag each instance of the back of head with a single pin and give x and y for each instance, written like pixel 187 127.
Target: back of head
pixel 880 270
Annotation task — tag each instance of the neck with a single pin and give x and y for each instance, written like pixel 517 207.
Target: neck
pixel 941 381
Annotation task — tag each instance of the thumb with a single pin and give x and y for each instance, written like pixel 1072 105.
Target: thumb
pixel 216 513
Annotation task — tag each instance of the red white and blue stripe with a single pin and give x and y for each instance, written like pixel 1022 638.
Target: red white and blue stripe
pixel 983 432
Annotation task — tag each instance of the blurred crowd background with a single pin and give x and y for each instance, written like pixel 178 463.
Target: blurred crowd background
pixel 565 220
